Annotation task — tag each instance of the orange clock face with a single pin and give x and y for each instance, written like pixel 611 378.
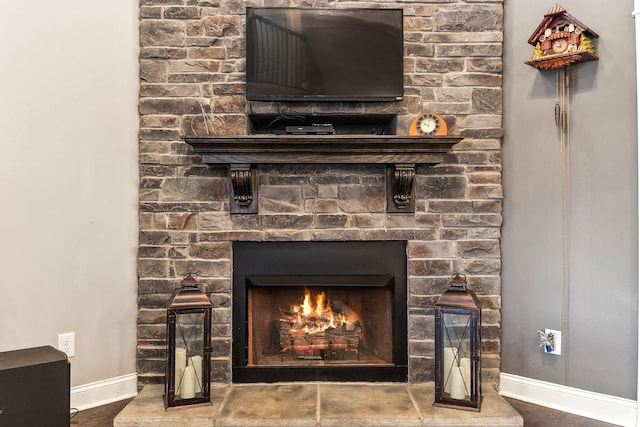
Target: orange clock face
pixel 428 124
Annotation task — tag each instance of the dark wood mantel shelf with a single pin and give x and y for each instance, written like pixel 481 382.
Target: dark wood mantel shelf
pixel 400 153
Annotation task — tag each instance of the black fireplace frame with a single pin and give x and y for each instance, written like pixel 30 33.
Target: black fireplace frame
pixel 256 263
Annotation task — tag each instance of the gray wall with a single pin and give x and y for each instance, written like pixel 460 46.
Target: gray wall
pixel 68 181
pixel 578 274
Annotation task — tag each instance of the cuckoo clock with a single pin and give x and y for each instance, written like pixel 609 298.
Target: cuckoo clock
pixel 561 40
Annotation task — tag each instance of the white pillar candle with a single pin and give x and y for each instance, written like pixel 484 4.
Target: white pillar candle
pixel 465 366
pixel 179 375
pixel 181 363
pixel 196 362
pixel 449 361
pixel 188 387
pixel 457 384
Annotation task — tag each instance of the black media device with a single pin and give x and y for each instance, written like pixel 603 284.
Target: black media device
pixel 314 129
pixel 34 388
pixel 298 54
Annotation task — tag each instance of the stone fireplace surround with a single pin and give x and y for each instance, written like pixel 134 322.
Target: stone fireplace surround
pixel 438 243
pixel 452 65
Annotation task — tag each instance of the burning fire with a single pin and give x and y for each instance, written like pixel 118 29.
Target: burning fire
pixel 312 318
pixel 313 330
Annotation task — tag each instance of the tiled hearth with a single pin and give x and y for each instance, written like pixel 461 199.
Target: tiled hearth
pixel 317 404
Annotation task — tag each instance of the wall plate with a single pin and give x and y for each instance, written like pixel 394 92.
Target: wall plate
pixel 557 341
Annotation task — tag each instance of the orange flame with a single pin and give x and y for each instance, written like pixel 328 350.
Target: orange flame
pixel 313 319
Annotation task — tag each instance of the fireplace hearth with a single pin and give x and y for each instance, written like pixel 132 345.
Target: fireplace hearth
pixel 321 311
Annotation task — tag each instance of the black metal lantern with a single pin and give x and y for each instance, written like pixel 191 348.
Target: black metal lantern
pixel 457 340
pixel 188 374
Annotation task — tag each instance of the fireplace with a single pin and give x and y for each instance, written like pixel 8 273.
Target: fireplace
pixel 332 311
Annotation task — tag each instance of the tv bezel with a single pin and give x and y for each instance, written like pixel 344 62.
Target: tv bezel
pixel 322 98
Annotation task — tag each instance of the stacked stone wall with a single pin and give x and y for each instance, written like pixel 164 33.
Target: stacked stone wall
pixel 192 59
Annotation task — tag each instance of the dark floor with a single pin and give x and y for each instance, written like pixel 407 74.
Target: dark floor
pixel 539 416
pixel 534 416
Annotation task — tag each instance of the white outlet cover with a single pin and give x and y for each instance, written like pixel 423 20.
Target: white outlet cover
pixel 557 341
pixel 67 343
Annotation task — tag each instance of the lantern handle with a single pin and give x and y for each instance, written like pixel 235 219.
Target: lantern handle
pixel 189 280
pixel 458 280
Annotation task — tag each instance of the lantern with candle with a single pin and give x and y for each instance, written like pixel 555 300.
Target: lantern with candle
pixel 457 347
pixel 188 368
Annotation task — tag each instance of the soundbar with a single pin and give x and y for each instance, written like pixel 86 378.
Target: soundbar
pixel 314 129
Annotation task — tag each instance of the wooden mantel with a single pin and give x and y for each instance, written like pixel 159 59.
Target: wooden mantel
pixel 400 153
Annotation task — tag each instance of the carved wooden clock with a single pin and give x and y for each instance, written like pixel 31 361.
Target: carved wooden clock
pixel 560 40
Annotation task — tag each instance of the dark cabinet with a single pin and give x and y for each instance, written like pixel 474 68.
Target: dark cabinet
pixel 34 388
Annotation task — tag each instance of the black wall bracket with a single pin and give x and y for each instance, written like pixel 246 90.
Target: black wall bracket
pixel 244 190
pixel 401 192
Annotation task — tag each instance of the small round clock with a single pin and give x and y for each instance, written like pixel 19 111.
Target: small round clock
pixel 559 45
pixel 428 124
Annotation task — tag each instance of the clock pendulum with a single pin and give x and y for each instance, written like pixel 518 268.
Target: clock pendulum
pixel 562 89
pixel 557 107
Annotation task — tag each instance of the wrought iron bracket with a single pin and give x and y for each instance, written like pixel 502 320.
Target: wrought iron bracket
pixel 244 191
pixel 401 193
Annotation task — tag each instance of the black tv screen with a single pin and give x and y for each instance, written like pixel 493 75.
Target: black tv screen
pixel 297 54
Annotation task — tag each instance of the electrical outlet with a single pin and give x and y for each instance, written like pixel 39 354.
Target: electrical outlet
pixel 67 343
pixel 557 341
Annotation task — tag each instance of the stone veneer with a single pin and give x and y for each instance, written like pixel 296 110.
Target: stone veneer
pixel 192 54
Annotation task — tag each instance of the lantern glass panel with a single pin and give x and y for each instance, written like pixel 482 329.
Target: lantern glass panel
pixel 189 354
pixel 456 366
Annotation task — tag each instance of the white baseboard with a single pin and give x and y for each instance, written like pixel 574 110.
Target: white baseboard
pixel 602 407
pixel 103 392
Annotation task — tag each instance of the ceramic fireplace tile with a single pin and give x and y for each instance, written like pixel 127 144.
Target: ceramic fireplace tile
pixel 147 409
pixel 250 405
pixel 379 404
pixel 495 411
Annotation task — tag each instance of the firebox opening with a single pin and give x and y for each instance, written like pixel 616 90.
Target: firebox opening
pixel 320 320
pixel 319 311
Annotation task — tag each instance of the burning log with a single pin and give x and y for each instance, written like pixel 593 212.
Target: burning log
pixel 317 332
pixel 332 343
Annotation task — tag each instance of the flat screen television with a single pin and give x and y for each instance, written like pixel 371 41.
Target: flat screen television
pixel 297 54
